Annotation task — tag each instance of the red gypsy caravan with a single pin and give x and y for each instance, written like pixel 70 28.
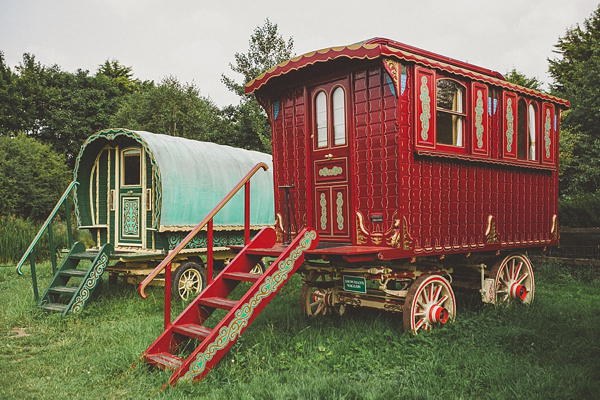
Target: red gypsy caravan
pixel 400 174
pixel 419 172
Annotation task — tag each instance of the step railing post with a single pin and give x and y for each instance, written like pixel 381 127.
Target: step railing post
pixel 209 252
pixel 168 295
pixel 68 219
pixel 51 246
pixel 36 295
pixel 247 213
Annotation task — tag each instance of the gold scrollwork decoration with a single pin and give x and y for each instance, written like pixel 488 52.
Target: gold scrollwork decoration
pixel 554 229
pixel 491 235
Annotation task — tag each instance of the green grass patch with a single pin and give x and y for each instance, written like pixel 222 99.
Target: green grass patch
pixel 550 349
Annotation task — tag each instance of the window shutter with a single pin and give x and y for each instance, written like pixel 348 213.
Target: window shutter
pixel 509 131
pixel 548 134
pixel 425 109
pixel 480 129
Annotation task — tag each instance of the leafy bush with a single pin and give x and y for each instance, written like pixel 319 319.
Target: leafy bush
pixel 32 177
pixel 580 211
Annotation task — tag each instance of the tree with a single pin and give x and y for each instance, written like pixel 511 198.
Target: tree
pixel 172 109
pixel 32 178
pixel 518 78
pixel 56 107
pixel 267 48
pixel 576 74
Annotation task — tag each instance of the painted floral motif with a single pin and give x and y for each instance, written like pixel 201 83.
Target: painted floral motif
pixel 90 284
pixel 323 203
pixel 425 109
pixel 335 171
pixel 510 128
pixel 231 332
pixel 479 129
pixel 547 127
pixel 340 212
pixel 220 239
pixel 131 217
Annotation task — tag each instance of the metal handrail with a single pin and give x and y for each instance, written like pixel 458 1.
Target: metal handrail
pixel 199 227
pixel 45 225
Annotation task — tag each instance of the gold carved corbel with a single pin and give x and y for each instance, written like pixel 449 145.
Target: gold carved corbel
pixel 554 230
pixel 491 235
pixel 393 68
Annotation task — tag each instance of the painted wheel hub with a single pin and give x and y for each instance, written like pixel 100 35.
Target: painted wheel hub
pixel 518 291
pixel 438 314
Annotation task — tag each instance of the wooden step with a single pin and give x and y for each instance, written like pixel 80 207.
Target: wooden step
pixel 217 302
pixel 192 330
pixel 241 276
pixel 63 289
pixel 88 255
pixel 73 272
pixel 54 307
pixel 164 360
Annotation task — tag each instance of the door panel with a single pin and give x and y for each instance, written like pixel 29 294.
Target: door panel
pixel 330 160
pixel 132 210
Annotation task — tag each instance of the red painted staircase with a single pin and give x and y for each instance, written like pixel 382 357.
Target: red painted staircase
pixel 213 343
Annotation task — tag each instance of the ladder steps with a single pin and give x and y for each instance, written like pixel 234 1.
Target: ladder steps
pixel 54 307
pixel 192 330
pixel 84 256
pixel 241 276
pixel 73 272
pixel 164 360
pixel 63 289
pixel 218 302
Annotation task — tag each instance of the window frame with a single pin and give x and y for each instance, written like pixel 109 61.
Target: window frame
pixel 464 115
pixel 329 117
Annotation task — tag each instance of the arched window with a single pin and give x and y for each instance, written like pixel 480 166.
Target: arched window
pixel 450 117
pixel 531 123
pixel 321 118
pixel 339 116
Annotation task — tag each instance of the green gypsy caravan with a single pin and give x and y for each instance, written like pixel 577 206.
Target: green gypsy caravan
pixel 141 193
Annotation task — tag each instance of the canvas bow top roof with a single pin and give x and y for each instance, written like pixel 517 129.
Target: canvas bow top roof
pixel 191 177
pixel 386 48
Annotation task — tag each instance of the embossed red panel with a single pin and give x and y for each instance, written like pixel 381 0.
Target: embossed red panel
pixel 509 132
pixel 339 203
pixel 425 109
pixel 335 170
pixel 548 136
pixel 480 129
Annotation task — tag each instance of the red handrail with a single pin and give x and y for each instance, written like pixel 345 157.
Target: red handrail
pixel 244 182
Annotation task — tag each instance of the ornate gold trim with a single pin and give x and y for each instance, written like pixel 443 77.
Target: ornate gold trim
pixel 361 232
pixel 491 235
pixel 279 227
pixel 554 229
pixel 393 68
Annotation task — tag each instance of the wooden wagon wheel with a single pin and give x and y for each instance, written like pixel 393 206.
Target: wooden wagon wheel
pixel 189 280
pixel 430 302
pixel 317 295
pixel 513 280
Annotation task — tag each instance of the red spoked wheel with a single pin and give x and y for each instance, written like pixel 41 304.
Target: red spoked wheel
pixel 430 303
pixel 513 280
pixel 317 296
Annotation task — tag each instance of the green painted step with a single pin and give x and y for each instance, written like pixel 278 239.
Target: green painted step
pixel 65 294
pixel 73 272
pixel 63 289
pixel 54 307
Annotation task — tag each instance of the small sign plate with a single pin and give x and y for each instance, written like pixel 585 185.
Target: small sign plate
pixel 355 284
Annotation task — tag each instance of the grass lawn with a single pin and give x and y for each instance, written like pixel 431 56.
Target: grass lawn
pixel 550 349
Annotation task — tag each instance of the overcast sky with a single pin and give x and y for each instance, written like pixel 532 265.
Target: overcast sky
pixel 195 40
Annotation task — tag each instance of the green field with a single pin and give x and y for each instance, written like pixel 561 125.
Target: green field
pixel 550 349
